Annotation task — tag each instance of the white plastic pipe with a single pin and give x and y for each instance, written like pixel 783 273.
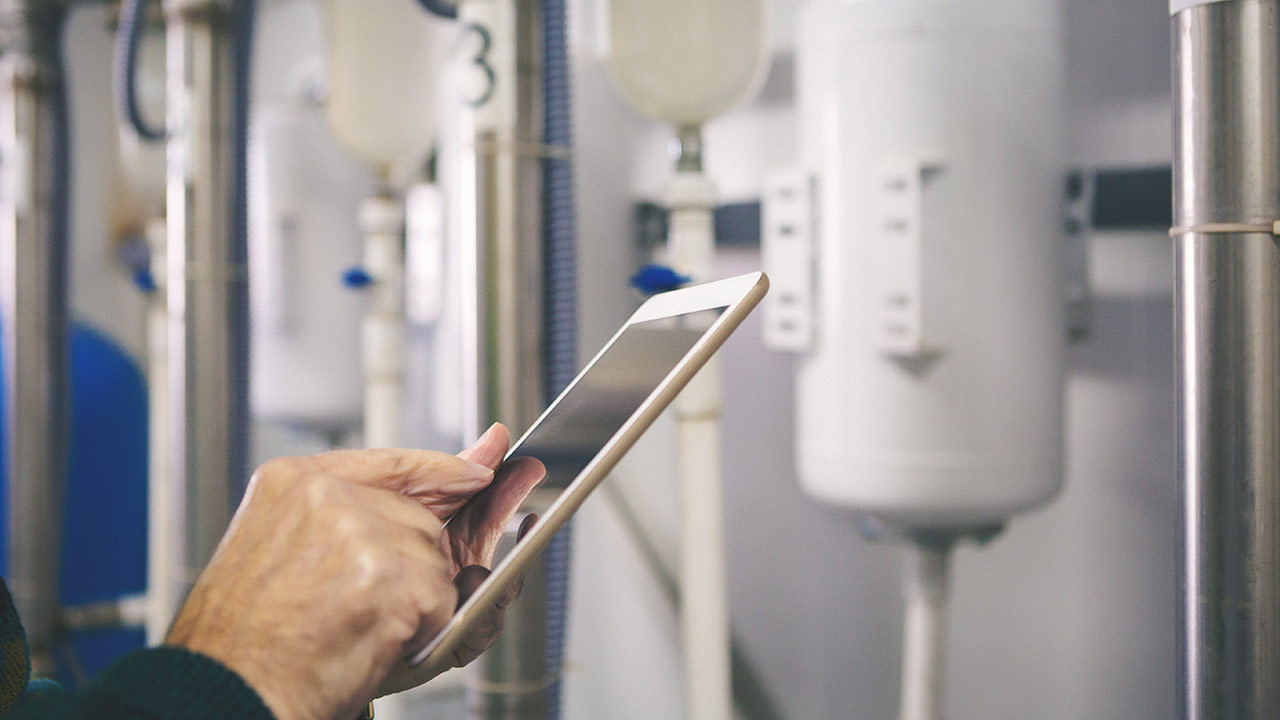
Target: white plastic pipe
pixel 166 545
pixel 926 590
pixel 704 610
pixel 382 219
pixel 382 346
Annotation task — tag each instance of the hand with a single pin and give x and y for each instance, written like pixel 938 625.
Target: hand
pixel 469 542
pixel 329 573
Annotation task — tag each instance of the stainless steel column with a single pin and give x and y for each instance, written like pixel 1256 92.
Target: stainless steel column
pixel 34 302
pixel 511 679
pixel 1226 199
pixel 207 282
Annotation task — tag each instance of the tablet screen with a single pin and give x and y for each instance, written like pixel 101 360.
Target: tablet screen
pixel 604 397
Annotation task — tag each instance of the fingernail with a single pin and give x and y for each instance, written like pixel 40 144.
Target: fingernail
pixel 526 525
pixel 485 435
pixel 478 470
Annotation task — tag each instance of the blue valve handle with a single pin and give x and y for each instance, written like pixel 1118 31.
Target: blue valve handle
pixel 145 280
pixel 357 278
pixel 653 279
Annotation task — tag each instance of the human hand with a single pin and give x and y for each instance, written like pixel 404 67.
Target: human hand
pixel 469 542
pixel 329 573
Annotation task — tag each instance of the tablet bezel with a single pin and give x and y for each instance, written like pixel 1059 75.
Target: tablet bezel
pixel 737 296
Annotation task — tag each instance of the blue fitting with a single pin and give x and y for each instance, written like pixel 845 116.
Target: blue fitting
pixel 357 278
pixel 653 279
pixel 145 280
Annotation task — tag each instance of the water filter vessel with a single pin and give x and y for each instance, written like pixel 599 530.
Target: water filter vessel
pixel 933 131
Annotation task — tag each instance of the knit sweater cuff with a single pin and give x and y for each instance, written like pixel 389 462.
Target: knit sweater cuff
pixel 170 682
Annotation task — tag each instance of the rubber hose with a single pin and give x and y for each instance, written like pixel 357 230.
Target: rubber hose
pixel 133 16
pixel 441 8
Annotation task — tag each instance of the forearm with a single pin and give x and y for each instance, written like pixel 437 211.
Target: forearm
pixel 157 684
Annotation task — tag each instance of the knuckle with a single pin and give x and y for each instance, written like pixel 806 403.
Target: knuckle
pixel 319 491
pixel 272 474
pixel 376 567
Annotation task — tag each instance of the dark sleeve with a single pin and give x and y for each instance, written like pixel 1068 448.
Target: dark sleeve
pixel 156 684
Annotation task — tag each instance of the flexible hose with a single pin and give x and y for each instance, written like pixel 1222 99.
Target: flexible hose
pixel 133 15
pixel 559 232
pixel 442 8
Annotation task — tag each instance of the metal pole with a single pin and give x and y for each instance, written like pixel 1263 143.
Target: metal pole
pixel 511 679
pixel 34 301
pixel 1226 200
pixel 206 283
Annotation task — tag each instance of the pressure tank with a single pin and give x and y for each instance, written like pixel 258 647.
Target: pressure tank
pixel 665 64
pixel 385 59
pixel 933 393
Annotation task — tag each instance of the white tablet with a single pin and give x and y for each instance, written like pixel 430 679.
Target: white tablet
pixel 602 413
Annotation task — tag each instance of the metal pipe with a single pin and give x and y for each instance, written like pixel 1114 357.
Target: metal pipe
pixel 511 680
pixel 33 268
pixel 207 282
pixel 1226 200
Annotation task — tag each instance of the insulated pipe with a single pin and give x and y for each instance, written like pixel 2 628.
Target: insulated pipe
pixel 33 268
pixel 206 278
pixel 704 612
pixel 1226 58
pixel 926 591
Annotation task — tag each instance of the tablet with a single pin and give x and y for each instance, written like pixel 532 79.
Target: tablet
pixel 600 415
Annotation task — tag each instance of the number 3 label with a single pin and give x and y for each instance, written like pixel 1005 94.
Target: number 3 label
pixel 487 62
pixel 484 78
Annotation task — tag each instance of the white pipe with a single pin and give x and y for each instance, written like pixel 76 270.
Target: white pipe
pixel 382 219
pixel 704 610
pixel 382 346
pixel 166 549
pixel 926 589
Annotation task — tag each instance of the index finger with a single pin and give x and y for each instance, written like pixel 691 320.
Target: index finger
pixel 422 474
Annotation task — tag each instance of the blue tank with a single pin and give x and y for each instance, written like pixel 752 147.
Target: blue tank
pixel 104 545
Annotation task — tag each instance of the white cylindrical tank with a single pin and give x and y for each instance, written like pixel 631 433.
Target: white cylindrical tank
pixel 933 396
pixel 667 63
pixel 385 59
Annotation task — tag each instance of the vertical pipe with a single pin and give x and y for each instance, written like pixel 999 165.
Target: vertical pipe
pixel 926 591
pixel 164 506
pixel 1226 199
pixel 207 283
pixel 382 219
pixel 511 680
pixel 704 612
pixel 33 247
